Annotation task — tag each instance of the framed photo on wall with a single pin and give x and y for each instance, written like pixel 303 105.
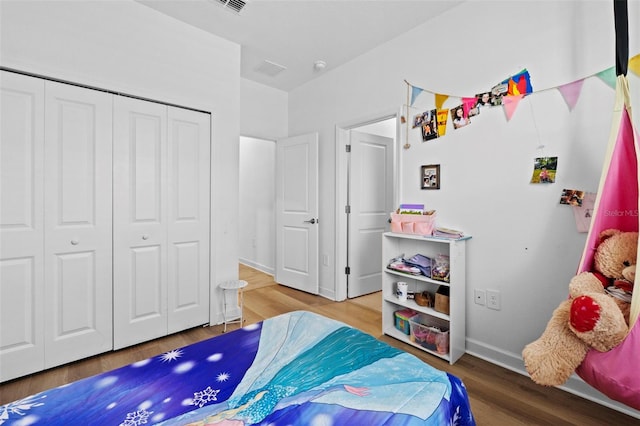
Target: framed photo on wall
pixel 430 176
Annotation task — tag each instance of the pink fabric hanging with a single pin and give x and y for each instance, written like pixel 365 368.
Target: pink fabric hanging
pixel 616 373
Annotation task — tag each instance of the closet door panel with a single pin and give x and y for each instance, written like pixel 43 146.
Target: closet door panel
pixel 21 225
pixel 188 227
pixel 78 264
pixel 140 220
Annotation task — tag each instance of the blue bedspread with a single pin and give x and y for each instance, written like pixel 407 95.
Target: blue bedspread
pixel 294 369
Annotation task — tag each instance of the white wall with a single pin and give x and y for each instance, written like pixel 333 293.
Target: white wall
pixel 263 111
pixel 127 47
pixel 383 128
pixel 263 120
pixel 524 243
pixel 257 204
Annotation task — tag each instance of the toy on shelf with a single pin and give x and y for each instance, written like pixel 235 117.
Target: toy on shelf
pixel 440 269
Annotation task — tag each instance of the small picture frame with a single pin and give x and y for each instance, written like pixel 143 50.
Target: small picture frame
pixel 430 176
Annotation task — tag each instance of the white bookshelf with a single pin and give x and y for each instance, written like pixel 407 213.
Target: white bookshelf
pixel 407 245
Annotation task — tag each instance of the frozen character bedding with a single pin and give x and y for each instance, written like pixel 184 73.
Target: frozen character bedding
pixel 298 368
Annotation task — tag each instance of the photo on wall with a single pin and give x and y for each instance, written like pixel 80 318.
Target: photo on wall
pixel 430 176
pixel 429 125
pixel 544 170
pixel 459 117
pixel 497 92
pixel 572 197
pixel 483 100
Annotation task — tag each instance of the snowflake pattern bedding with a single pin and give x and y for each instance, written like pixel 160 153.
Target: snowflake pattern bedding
pixel 298 368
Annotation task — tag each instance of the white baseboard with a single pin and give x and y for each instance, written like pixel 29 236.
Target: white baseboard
pixel 575 385
pixel 258 266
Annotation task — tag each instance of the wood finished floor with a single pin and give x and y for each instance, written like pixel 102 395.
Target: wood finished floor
pixel 498 396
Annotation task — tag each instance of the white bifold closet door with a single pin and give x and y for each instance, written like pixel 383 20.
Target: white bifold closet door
pixel 161 220
pixel 21 225
pixel 77 222
pixel 55 224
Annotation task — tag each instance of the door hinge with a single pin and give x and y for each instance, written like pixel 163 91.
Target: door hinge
pixel 347 209
pixel 347 148
pixel 347 270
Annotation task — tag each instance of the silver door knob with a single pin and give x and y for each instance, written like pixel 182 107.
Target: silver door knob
pixel 312 221
pixel 75 242
pixel 145 237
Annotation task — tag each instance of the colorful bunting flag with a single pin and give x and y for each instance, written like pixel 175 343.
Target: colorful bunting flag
pixel 415 91
pixel 443 115
pixel 440 100
pixel 571 92
pixel 515 89
pixel 510 103
pixel 519 84
pixel 634 65
pixel 467 106
pixel 608 76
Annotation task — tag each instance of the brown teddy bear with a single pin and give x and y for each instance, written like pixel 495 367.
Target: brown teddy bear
pixel 596 314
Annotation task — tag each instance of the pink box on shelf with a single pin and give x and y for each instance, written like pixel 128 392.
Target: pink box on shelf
pixel 407 227
pixel 419 224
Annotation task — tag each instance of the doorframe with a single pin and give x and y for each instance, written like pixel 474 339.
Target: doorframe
pixel 342 173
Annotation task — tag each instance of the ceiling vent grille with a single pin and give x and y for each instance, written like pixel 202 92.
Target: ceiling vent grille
pixel 235 5
pixel 270 68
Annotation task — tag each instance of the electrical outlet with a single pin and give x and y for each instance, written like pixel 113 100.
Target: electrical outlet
pixel 480 297
pixel 493 299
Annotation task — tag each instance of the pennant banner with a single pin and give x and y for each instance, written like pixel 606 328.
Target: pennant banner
pixel 571 92
pixel 519 84
pixel 443 116
pixel 634 65
pixel 467 105
pixel 415 91
pixel 440 100
pixel 511 91
pixel 510 103
pixel 608 76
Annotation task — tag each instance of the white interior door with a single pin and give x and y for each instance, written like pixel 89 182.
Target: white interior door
pixel 370 201
pixel 77 212
pixel 188 232
pixel 21 225
pixel 297 212
pixel 139 221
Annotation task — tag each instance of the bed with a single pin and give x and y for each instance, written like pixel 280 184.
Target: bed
pixel 298 368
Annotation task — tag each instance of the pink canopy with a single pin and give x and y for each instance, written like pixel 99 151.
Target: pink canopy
pixel 616 373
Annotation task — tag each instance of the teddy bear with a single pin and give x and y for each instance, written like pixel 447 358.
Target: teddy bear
pixel 596 314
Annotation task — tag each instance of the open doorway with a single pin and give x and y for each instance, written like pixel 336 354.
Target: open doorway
pixel 257 166
pixel 366 181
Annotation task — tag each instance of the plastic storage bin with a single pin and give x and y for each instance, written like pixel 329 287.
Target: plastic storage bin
pixel 401 320
pixel 430 333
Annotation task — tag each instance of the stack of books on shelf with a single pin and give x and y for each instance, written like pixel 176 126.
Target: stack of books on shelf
pixel 447 233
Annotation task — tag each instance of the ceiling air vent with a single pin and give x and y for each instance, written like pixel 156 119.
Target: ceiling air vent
pixel 270 68
pixel 235 5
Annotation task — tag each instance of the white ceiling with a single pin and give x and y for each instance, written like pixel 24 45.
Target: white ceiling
pixel 297 33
